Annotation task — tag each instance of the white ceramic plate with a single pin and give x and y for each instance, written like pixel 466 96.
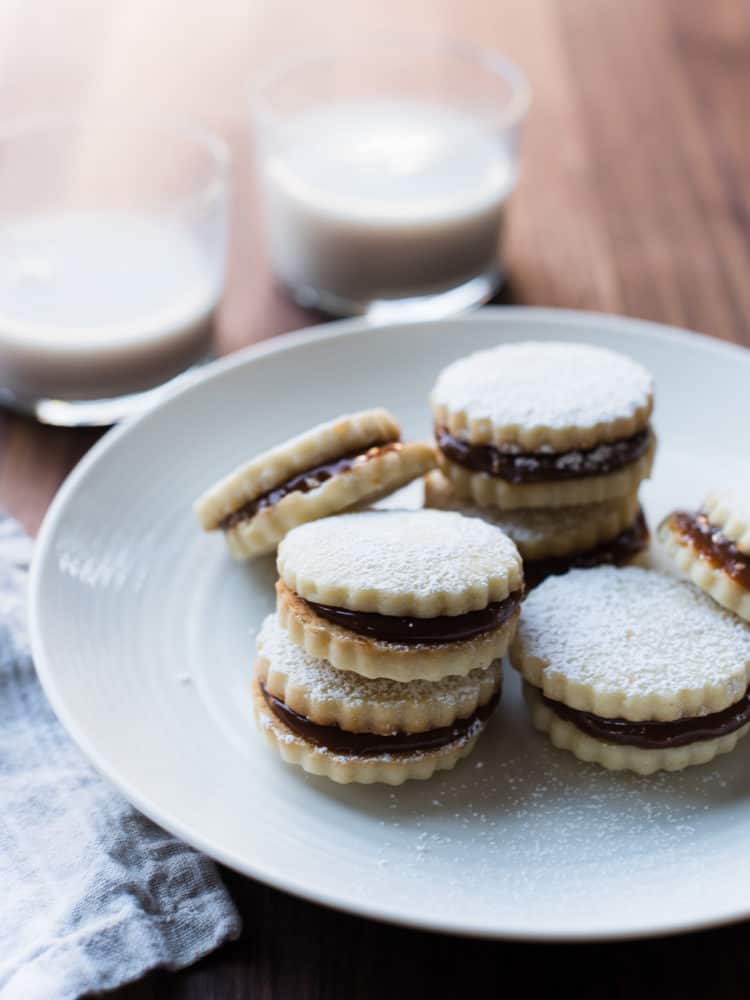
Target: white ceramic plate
pixel 143 637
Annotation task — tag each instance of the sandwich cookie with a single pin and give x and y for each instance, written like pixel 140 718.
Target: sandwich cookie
pixel 400 594
pixel 711 547
pixel 633 669
pixel 553 540
pixel 327 469
pixel 544 425
pixel 349 728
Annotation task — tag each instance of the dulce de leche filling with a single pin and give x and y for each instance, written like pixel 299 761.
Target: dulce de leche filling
pixel 616 552
pixel 711 545
pixel 338 740
pixel 657 735
pixel 517 467
pixel 405 631
pixel 310 479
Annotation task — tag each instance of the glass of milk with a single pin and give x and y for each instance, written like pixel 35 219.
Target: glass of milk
pixel 112 261
pixel 385 172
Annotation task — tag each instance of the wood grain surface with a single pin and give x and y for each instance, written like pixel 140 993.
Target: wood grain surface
pixel 635 199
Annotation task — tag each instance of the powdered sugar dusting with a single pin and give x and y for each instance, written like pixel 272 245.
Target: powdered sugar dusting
pixel 550 385
pixel 324 683
pixel 636 632
pixel 428 560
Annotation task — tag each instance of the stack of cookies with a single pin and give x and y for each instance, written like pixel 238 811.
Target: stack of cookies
pixel 382 661
pixel 549 441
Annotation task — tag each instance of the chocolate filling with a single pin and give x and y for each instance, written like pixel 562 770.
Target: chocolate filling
pixel 711 545
pixel 616 552
pixel 308 480
pixel 657 735
pixel 370 744
pixel 421 631
pixel 515 466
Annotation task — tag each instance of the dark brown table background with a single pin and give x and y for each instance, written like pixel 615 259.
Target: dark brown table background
pixel 635 199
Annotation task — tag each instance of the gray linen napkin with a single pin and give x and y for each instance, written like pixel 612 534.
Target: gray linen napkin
pixel 92 894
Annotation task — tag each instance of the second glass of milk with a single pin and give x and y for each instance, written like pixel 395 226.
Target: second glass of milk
pixel 385 172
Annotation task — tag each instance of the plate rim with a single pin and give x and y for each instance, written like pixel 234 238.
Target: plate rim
pixel 43 658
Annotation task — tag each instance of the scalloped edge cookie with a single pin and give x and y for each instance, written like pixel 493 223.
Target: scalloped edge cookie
pixel 712 580
pixel 318 444
pixel 373 706
pixel 388 769
pixel 492 491
pixel 372 658
pixel 565 735
pixel 261 533
pixel 548 531
pixel 725 513
pixel 342 547
pixel 483 429
pixel 635 706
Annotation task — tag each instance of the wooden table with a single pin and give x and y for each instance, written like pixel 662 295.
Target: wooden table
pixel 634 200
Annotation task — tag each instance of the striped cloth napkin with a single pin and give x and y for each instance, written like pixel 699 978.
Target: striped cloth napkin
pixel 93 895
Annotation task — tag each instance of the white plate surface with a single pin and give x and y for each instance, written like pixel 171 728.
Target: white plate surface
pixel 143 636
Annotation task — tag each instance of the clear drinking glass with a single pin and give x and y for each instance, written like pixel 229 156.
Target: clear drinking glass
pixel 113 243
pixel 385 171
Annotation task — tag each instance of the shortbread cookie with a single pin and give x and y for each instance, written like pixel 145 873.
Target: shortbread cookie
pixel 544 396
pixel 637 660
pixel 423 563
pixel 701 548
pixel 594 743
pixel 544 425
pixel 489 490
pixel 329 697
pixel 400 594
pixel 405 656
pixel 553 540
pixel 327 469
pixel 357 757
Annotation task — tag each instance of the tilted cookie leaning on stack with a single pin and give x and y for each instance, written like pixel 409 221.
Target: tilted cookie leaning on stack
pixel 558 434
pixel 390 625
pixel 633 669
pixel 327 469
pixel 712 548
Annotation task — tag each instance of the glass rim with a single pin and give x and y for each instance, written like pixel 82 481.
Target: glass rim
pixel 40 123
pixel 491 61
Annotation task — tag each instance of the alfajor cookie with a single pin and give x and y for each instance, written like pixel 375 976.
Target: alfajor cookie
pixel 544 425
pixel 327 469
pixel 633 669
pixel 353 729
pixel 711 547
pixel 400 594
pixel 553 540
